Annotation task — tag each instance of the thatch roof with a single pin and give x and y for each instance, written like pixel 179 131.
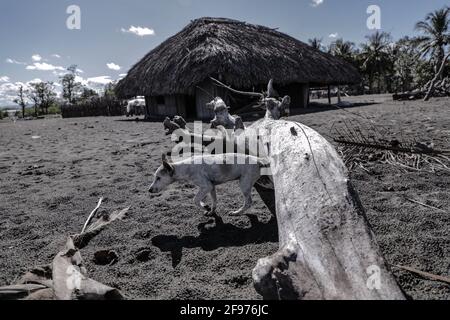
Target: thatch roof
pixel 245 55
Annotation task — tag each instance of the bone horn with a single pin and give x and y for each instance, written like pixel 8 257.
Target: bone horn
pixel 271 92
pixel 253 94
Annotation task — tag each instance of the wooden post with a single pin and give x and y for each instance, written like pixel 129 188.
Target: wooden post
pixel 339 94
pixel 329 95
pixel 309 97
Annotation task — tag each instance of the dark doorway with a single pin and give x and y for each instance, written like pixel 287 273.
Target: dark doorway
pixel 191 111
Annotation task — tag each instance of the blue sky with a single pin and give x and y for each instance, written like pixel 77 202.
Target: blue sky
pixel 38 28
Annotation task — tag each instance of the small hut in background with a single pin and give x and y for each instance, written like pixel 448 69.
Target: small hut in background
pixel 175 76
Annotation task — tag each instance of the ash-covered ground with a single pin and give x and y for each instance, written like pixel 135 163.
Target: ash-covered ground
pixel 53 171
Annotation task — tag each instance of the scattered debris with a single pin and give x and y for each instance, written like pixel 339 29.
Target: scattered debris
pixel 66 277
pixel 360 144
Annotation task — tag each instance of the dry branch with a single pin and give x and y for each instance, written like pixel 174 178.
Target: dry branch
pixel 424 274
pixel 92 215
pixel 425 205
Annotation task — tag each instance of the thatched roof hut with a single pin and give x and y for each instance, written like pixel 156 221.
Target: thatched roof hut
pixel 240 54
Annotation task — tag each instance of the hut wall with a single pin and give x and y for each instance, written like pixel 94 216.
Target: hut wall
pixel 173 105
pixel 299 93
pixel 202 98
pixel 150 105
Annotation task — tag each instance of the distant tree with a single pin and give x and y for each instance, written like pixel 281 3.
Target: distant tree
pixel 69 84
pixel 87 93
pixel 343 49
pixel 423 72
pixel 376 58
pixel 316 43
pixel 404 62
pixel 436 36
pixel 43 96
pixel 21 99
pixel 110 90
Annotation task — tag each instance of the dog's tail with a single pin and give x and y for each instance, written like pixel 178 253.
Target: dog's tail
pixel 263 163
pixel 265 180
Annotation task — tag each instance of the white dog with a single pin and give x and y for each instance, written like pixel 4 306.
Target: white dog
pixel 207 171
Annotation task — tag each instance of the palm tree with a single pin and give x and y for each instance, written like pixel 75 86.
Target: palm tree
pixel 343 49
pixel 436 35
pixel 375 56
pixel 316 43
pixel 406 60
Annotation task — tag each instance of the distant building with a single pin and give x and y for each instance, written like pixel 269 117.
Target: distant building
pixel 175 76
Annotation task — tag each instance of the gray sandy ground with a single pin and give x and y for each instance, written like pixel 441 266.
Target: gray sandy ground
pixel 167 249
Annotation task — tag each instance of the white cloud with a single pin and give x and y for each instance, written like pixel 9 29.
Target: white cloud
pixel 59 73
pixel 37 80
pixel 57 56
pixel 123 75
pixel 113 66
pixel 4 79
pixel 99 80
pixel 12 61
pixel 333 35
pixel 139 31
pixel 44 67
pixel 36 57
pixel 316 3
pixel 95 83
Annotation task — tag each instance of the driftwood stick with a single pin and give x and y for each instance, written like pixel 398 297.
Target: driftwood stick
pixel 378 146
pixel 425 205
pixel 91 215
pixel 424 274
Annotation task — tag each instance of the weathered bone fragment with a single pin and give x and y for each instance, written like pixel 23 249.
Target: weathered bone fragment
pixel 327 249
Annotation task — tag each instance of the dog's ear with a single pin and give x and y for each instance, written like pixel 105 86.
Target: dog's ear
pixel 286 101
pixel 167 164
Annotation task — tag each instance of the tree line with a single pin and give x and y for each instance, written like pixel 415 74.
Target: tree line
pixel 44 99
pixel 398 66
pixel 385 66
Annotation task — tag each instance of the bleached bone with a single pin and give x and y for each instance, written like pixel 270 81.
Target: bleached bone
pixel 276 108
pixel 170 126
pixel 238 124
pixel 271 92
pixel 327 250
pixel 179 120
pixel 269 100
pixel 222 115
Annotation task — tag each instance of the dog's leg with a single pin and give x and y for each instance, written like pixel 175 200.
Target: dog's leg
pixel 214 200
pixel 246 188
pixel 201 195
